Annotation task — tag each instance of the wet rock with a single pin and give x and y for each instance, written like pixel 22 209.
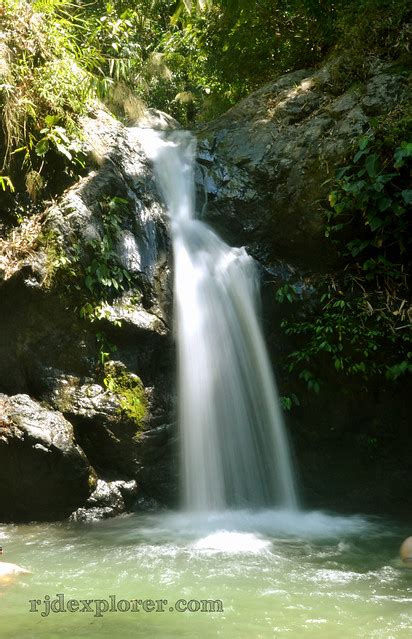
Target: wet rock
pixel 129 312
pixel 158 465
pixel 44 474
pixel 109 499
pixel 266 162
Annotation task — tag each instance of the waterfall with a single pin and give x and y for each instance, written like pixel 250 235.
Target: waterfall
pixel 234 448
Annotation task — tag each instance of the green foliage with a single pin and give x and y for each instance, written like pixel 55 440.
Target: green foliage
pixel 192 59
pixel 379 27
pixel 6 183
pixel 372 197
pixel 129 390
pixel 228 48
pixel 91 274
pixel 217 54
pixel 55 137
pixel 56 258
pixel 93 278
pixel 43 89
pixel 287 293
pixel 364 30
pixel 105 347
pixel 103 273
pixel 288 401
pixel 361 325
pixel 347 333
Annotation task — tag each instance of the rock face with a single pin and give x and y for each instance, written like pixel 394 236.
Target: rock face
pixel 115 444
pixel 262 182
pixel 44 474
pixel 353 450
pixel 49 352
pixel 123 171
pixel 266 162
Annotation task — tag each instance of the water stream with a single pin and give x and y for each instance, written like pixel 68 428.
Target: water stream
pixel 234 447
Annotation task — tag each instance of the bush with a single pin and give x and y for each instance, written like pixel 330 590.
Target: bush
pixel 362 320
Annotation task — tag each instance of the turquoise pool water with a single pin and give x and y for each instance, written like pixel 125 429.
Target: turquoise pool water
pixel 276 574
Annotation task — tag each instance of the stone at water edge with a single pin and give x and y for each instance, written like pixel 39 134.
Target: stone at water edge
pixel 406 552
pixel 44 474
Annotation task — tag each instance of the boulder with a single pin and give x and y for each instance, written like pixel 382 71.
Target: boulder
pixel 107 500
pixel 120 441
pixel 44 474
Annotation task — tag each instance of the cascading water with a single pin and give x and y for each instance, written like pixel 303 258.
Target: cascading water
pixel 234 448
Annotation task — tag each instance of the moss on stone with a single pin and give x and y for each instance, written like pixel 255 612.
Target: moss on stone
pixel 129 390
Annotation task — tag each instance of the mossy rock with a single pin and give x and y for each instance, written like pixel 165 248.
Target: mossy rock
pixel 129 390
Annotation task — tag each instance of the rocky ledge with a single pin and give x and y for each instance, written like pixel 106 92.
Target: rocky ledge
pixel 88 382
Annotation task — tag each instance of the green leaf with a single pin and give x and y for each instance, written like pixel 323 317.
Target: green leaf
pixel 64 150
pixel 371 164
pixel 395 371
pixel 340 207
pixel 6 183
pixel 51 120
pixel 376 223
pixel 356 246
pixel 363 142
pixel 333 198
pixel 401 153
pixel 286 402
pixel 62 133
pixel 340 173
pixel 384 203
pixel 89 282
pixel 42 147
pixel 358 155
pixel 407 196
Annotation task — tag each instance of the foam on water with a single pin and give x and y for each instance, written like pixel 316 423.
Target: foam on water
pixel 290 526
pixel 232 543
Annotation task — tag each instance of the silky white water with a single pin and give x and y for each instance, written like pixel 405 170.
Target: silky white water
pixel 234 448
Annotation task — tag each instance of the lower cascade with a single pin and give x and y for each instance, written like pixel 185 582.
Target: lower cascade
pixel 235 452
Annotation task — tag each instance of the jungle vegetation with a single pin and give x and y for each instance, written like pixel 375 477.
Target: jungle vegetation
pixel 195 59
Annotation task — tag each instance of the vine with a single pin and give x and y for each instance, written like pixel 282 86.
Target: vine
pixel 361 323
